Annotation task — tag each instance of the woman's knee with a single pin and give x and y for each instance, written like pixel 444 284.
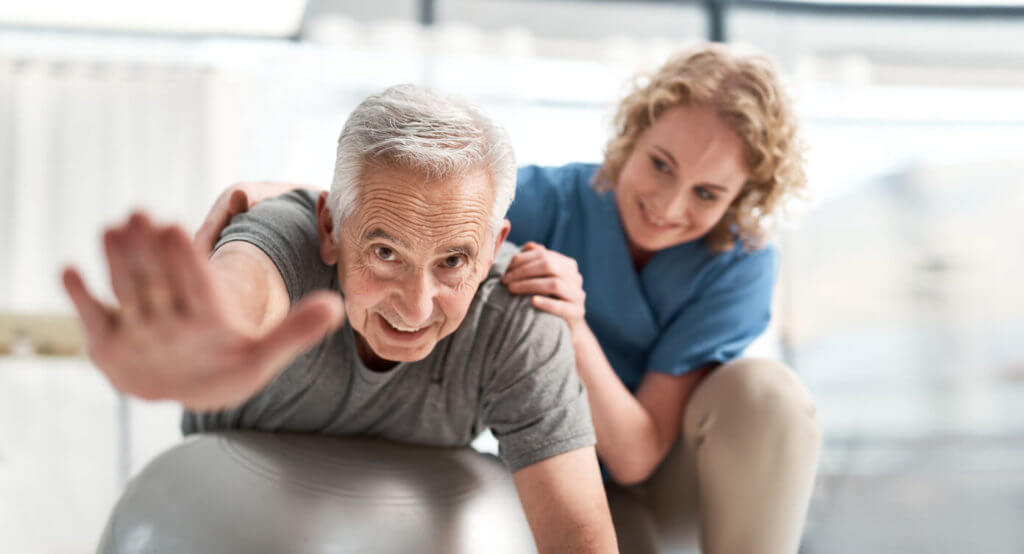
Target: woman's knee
pixel 752 395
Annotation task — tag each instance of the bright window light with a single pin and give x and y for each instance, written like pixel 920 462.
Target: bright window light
pixel 278 18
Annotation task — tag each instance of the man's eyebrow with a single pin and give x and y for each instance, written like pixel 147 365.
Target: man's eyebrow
pixel 668 155
pixel 378 233
pixel 464 249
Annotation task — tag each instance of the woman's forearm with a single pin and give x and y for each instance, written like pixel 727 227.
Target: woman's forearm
pixel 628 440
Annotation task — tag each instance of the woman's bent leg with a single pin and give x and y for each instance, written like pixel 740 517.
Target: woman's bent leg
pixel 752 433
pixel 672 497
pixel 635 526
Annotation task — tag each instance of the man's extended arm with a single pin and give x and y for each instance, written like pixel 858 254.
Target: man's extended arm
pixel 208 333
pixel 565 503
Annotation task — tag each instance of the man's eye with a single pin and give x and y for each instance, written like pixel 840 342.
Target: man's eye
pixel 384 253
pixel 454 262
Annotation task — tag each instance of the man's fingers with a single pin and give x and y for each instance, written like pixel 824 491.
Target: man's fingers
pixel 187 272
pixel 306 324
pixel 167 242
pixel 192 273
pixel 115 245
pixel 96 320
pixel 132 241
pixel 149 266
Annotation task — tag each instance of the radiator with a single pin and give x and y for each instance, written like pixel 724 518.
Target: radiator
pixel 82 142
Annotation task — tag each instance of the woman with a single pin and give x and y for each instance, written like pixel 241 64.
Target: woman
pixel 658 260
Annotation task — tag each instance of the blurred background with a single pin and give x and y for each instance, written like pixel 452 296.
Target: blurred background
pixel 901 299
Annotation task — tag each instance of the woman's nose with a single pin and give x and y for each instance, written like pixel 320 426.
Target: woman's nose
pixel 671 206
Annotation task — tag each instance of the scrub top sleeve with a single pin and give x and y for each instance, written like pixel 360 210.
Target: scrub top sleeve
pixel 536 205
pixel 727 316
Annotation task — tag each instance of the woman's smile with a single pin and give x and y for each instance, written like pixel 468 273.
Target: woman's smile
pixel 653 220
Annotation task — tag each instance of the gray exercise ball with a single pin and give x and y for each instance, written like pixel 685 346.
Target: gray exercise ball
pixel 251 492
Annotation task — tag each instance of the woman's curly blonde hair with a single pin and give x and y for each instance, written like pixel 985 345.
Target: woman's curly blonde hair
pixel 745 91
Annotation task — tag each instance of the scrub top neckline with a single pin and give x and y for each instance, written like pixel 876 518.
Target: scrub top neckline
pixel 635 279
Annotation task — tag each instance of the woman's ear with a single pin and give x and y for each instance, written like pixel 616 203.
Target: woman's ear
pixel 325 231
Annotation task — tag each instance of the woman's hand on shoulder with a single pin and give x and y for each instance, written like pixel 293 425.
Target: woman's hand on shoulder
pixel 238 198
pixel 553 279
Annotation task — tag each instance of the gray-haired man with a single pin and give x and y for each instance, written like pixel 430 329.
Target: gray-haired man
pixel 433 348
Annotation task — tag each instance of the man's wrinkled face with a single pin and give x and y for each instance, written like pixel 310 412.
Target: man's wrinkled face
pixel 410 258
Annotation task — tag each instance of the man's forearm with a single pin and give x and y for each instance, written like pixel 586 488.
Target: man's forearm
pixel 565 504
pixel 247 278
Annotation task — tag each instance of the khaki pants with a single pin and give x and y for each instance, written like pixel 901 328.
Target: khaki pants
pixel 739 480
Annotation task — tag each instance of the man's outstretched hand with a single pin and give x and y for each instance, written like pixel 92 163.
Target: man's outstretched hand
pixel 176 333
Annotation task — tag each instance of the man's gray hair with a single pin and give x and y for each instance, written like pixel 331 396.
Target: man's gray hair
pixel 417 129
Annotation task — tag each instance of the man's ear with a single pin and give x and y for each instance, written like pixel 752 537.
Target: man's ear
pixel 506 226
pixel 325 231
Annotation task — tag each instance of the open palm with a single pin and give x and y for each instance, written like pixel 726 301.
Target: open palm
pixel 176 333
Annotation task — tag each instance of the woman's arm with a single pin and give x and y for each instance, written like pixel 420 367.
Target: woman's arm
pixel 634 433
pixel 236 199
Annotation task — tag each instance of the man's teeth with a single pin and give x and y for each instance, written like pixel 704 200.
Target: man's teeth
pixel 402 328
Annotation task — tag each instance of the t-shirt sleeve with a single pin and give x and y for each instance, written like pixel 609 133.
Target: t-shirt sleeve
pixel 536 205
pixel 723 320
pixel 533 401
pixel 284 228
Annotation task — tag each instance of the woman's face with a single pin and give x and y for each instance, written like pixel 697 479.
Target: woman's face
pixel 683 173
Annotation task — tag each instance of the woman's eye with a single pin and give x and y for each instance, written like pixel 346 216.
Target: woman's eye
pixel 706 195
pixel 454 262
pixel 384 253
pixel 660 165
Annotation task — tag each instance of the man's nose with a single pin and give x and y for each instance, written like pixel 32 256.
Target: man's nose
pixel 417 299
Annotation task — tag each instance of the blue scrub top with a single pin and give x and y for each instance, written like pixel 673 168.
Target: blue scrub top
pixel 686 308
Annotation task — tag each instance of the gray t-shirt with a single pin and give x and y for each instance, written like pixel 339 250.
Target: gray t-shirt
pixel 508 366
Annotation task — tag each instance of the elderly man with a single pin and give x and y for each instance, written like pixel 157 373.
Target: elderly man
pixel 431 348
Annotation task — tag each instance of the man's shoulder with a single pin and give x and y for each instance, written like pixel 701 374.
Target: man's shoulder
pixel 285 229
pixel 493 294
pixel 509 317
